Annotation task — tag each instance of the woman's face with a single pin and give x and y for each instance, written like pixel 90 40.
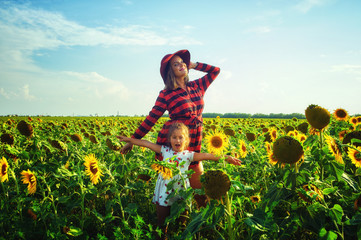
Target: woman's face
pixel 179 67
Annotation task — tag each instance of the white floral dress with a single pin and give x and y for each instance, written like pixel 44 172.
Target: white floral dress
pixel 161 193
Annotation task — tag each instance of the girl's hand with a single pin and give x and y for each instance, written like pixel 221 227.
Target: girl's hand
pixel 233 161
pixel 127 147
pixel 123 138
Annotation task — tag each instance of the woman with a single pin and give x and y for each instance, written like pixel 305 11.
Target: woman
pixel 184 101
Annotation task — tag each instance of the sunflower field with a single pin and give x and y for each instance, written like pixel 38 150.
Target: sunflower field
pixel 65 178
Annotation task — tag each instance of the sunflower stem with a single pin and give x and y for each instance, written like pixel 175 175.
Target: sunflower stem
pixel 229 216
pixel 17 192
pixel 51 198
pixel 321 146
pixel 3 188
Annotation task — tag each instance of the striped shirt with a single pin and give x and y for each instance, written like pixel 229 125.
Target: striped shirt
pixel 183 106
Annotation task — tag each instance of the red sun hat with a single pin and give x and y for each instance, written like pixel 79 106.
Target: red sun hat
pixel 183 54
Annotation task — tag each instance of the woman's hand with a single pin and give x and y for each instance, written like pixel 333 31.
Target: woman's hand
pixel 192 65
pixel 233 160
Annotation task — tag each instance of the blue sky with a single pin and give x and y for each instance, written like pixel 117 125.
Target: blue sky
pixel 86 57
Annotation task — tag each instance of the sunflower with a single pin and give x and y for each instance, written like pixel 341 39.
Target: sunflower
pixel 317 116
pixel 289 128
pixel 353 121
pixel 308 191
pixel 76 137
pixel 352 135
pixel 292 134
pixel 250 136
pixel 144 177
pixel 273 134
pixel 7 138
pixel 229 132
pixel 268 147
pixel 303 127
pixel 355 156
pixel 217 142
pixel 4 169
pixel 287 150
pixel 342 134
pixel 216 183
pixel 93 139
pixel 59 145
pixel 340 114
pixel 271 158
pixel 29 178
pixel 92 169
pixel 25 128
pixel 313 131
pixel 335 150
pixel 242 149
pixel 164 171
pixel 255 199
pixel 301 137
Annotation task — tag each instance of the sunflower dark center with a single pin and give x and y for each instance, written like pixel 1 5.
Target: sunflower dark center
pixel 3 169
pixel 216 141
pixel 274 134
pixel 341 114
pixel 357 156
pixel 244 148
pixel 31 179
pixel 93 168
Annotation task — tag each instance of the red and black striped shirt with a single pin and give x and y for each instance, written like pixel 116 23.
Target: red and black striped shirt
pixel 184 106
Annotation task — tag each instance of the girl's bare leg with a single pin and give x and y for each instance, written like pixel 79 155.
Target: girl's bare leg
pixel 162 213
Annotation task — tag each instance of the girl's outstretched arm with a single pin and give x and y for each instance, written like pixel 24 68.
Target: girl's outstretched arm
pixel 210 156
pixel 142 143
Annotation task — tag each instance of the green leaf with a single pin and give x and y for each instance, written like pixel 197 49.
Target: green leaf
pixel 327 235
pixel 335 169
pixel 328 191
pixel 74 231
pixel 355 140
pixel 337 213
pixel 350 181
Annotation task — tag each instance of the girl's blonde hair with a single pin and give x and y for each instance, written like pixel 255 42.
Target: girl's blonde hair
pixel 183 128
pixel 170 81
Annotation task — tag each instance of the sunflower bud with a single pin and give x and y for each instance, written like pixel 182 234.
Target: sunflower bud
pixel 250 136
pixel 216 183
pixel 76 137
pixel 287 150
pixel 317 116
pixel 25 128
pixel 7 138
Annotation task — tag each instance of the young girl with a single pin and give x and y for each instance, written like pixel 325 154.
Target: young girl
pixel 177 143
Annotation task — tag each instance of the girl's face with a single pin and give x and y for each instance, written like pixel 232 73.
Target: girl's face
pixel 179 67
pixel 178 140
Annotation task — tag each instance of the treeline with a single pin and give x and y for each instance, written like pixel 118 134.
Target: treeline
pixel 256 115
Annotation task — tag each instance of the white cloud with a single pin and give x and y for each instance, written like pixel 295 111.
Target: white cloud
pixel 95 84
pixel 306 5
pixel 24 30
pixel 346 68
pixel 4 93
pixel 26 93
